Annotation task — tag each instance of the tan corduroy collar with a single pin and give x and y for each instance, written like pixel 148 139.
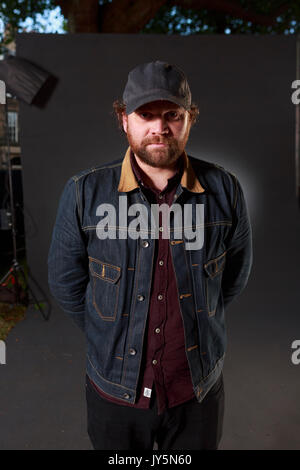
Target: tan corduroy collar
pixel 128 181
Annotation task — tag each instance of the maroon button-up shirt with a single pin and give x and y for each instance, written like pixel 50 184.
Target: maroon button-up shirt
pixel 164 361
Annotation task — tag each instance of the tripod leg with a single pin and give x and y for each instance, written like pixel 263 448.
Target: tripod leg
pixel 31 292
pixel 6 276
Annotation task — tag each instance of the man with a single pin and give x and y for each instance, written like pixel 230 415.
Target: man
pixel 149 298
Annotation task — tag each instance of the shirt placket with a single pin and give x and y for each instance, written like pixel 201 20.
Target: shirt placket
pixel 161 306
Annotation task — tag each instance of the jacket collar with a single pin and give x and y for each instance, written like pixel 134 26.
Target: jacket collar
pixel 128 180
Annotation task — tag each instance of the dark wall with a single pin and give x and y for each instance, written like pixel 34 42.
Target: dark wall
pixel 243 87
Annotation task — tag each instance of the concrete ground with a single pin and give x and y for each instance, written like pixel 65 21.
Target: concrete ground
pixel 42 393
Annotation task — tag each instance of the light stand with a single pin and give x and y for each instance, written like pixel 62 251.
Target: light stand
pixel 15 267
pixel 25 81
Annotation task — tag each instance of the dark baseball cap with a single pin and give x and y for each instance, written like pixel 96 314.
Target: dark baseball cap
pixel 153 81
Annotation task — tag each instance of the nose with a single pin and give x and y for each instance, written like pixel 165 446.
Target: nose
pixel 159 126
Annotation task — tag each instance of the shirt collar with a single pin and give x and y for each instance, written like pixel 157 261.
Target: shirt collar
pixel 128 181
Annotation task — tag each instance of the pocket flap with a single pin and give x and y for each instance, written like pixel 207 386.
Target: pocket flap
pixel 104 271
pixel 215 266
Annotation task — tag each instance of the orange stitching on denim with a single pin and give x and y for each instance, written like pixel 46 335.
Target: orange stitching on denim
pixel 184 295
pixel 212 276
pixel 191 283
pixel 102 276
pixel 106 264
pixel 112 266
pixel 93 170
pixel 109 279
pixel 149 288
pixel 216 259
pixel 195 264
pixel 108 381
pixel 219 222
pixel 119 357
pixel 176 242
pixel 106 318
pixel 193 227
pixel 132 316
pixel 192 347
pixel 145 322
pixel 212 312
pixel 216 366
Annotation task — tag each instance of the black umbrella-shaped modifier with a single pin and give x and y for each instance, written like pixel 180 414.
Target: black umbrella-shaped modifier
pixel 26 80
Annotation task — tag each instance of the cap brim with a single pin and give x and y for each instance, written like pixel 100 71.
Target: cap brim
pixel 155 96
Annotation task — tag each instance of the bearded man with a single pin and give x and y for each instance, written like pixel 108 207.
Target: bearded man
pixel 152 304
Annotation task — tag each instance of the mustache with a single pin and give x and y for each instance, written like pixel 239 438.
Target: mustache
pixel 157 141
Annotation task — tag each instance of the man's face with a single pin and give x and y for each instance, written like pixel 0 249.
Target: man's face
pixel 157 132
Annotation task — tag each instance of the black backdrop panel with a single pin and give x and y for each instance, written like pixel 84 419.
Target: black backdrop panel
pixel 243 87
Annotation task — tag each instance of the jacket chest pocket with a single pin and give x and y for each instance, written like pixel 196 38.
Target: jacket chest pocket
pixel 105 279
pixel 213 271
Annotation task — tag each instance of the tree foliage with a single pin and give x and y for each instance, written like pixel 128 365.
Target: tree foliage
pixel 14 12
pixel 256 17
pixel 160 16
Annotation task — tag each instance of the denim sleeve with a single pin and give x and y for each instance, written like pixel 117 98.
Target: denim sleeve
pixel 67 259
pixel 239 254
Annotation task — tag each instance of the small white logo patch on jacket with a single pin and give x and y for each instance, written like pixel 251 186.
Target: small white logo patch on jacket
pixel 147 392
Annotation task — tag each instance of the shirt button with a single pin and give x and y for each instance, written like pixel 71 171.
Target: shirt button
pixel 161 229
pixel 160 297
pixel 140 297
pixel 145 244
pixel 161 262
pixel 160 196
pixel 157 330
pixel 126 395
pixel 132 351
pixel 154 361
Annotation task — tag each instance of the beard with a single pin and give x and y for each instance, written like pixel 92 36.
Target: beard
pixel 163 157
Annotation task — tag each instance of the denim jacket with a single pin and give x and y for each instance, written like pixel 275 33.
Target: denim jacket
pixel 104 283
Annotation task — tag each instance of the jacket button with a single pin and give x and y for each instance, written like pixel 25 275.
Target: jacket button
pixel 157 330
pixel 126 395
pixel 140 297
pixel 132 351
pixel 154 361
pixel 160 297
pixel 145 244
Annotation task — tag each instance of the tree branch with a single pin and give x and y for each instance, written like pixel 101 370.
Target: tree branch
pixel 130 16
pixel 127 16
pixel 83 17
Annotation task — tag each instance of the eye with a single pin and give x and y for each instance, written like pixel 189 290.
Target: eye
pixel 144 114
pixel 174 115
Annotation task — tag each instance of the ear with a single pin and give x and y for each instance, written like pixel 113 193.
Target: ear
pixel 124 120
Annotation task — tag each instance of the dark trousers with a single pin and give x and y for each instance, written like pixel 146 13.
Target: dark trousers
pixel 191 425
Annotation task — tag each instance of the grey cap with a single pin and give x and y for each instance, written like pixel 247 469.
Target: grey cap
pixel 156 81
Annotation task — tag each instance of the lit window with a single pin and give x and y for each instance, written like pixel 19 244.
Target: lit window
pixel 13 129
